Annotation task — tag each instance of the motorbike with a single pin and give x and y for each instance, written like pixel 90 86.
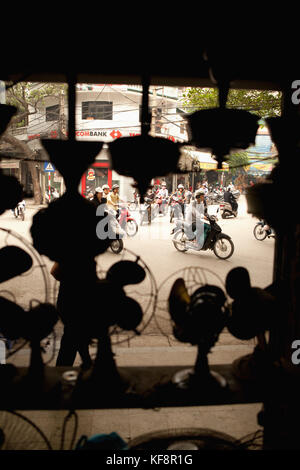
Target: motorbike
pixel 215 240
pixel 236 193
pixel 127 222
pixel 148 210
pixel 117 243
pixel 162 205
pixel 19 211
pixel 227 211
pixel 175 209
pixel 215 196
pixel 262 230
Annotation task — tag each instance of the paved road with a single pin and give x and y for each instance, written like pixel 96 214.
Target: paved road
pixel 153 244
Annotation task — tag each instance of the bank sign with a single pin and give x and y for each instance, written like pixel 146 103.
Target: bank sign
pixel 108 135
pixel 103 134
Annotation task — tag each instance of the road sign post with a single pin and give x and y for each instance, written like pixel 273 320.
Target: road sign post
pixel 49 168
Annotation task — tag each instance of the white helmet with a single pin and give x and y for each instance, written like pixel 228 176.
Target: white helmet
pixel 164 183
pixel 98 190
pixel 105 186
pixel 180 186
pixel 200 192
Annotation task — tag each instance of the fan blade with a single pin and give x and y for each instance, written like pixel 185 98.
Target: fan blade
pixel 126 272
pixel 179 299
pixel 13 261
pixel 237 282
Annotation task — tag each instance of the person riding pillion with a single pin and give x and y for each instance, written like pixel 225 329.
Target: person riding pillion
pixel 195 217
pixel 180 195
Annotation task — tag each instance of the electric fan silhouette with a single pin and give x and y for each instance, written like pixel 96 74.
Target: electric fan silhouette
pixel 24 283
pixel 17 432
pixel 145 293
pixel 186 439
pixel 192 306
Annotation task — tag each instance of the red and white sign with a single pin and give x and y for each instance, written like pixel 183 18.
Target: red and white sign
pixel 91 174
pixel 116 134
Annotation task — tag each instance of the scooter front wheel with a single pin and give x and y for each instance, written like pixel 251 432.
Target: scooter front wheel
pixel 178 242
pixel 131 228
pixel 259 232
pixel 223 247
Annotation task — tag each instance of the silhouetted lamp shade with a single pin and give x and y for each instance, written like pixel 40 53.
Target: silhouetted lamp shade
pixel 143 158
pixel 219 130
pixel 71 158
pixel 6 113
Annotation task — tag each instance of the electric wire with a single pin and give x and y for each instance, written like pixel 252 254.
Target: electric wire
pixel 71 413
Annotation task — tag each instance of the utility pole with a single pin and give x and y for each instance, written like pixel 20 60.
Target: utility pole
pixel 62 116
pixel 153 107
pixel 62 126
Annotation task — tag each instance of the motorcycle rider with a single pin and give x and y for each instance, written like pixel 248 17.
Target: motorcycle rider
pixel 106 190
pixel 162 194
pixel 180 195
pixel 149 198
pixel 98 197
pixel 188 195
pixel 113 199
pixel 195 214
pixel 229 198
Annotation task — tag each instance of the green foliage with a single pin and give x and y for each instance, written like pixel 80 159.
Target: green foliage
pixel 27 97
pixel 237 161
pixel 265 103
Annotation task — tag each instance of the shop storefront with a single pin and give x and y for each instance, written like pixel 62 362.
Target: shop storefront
pixel 97 175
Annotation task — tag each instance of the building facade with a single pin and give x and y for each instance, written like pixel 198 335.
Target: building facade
pixel 104 112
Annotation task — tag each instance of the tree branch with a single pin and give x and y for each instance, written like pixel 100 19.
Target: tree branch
pixel 19 144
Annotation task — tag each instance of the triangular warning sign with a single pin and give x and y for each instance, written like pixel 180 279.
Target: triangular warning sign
pixel 49 167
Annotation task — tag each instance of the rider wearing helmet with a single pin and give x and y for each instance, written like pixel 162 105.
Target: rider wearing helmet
pixel 98 197
pixel 195 216
pixel 113 198
pixel 180 197
pixel 106 190
pixel 162 194
pixel 229 197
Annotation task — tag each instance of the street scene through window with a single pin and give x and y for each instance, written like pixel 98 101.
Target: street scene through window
pixel 171 231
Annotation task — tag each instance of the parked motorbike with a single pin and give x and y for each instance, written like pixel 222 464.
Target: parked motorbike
pixel 236 193
pixel 215 240
pixel 127 222
pixel 214 197
pixel 227 211
pixel 262 230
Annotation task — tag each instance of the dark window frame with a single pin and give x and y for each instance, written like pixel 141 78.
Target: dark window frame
pixel 97 110
pixel 52 113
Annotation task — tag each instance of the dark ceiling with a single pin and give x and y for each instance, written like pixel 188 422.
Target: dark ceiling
pixel 263 67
